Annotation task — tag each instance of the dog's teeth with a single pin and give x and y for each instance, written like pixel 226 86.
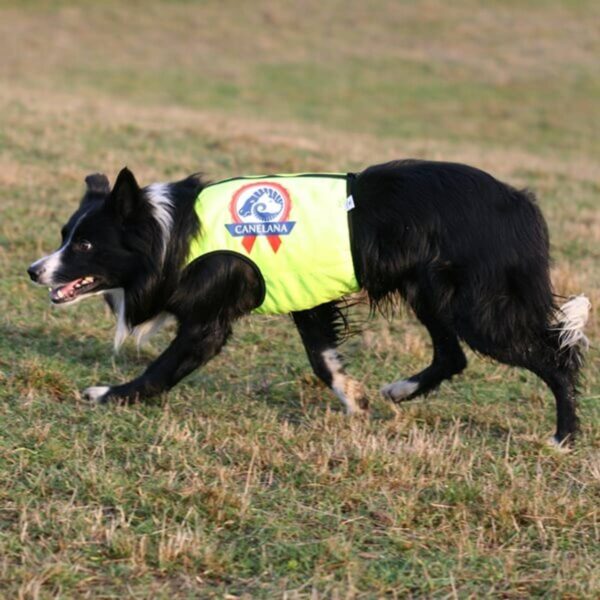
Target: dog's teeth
pixel 59 294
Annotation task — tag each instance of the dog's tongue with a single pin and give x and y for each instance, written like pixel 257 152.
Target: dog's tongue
pixel 64 291
pixel 70 290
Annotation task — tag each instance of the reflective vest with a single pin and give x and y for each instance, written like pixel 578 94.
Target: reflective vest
pixel 292 228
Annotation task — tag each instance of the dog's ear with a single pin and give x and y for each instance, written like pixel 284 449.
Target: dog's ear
pixel 97 183
pixel 96 187
pixel 126 196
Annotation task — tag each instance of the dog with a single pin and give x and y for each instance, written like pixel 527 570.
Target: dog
pixel 467 253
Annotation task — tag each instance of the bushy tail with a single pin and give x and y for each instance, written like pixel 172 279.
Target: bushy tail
pixel 570 319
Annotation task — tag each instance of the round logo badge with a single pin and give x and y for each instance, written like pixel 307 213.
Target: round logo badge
pixel 260 202
pixel 260 208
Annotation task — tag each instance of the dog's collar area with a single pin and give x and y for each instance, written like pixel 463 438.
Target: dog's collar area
pixel 72 290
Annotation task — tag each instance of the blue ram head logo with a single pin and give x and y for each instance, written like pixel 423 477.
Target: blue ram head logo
pixel 265 204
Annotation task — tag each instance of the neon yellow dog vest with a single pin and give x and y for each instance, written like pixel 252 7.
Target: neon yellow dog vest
pixel 292 228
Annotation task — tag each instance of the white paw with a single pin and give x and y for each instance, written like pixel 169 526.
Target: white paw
pixel 96 393
pixel 562 447
pixel 353 395
pixel 399 390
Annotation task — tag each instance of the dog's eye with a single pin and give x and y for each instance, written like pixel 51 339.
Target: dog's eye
pixel 82 246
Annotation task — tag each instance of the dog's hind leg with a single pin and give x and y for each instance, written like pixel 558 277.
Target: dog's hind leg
pixel 448 360
pixel 562 383
pixel 320 328
pixel 544 358
pixel 555 355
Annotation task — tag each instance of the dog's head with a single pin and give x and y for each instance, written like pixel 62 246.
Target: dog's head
pixel 101 247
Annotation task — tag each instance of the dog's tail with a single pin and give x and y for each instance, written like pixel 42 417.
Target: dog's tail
pixel 569 322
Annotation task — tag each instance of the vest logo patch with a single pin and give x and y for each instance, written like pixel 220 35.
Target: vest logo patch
pixel 260 208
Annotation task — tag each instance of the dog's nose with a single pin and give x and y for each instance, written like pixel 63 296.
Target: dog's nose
pixel 34 271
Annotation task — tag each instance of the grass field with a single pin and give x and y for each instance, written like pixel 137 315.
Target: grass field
pixel 247 480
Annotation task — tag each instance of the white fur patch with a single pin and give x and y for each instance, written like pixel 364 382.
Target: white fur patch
pixel 142 332
pixel 96 393
pixel 400 389
pixel 572 317
pixel 53 262
pixel 563 448
pixel 348 390
pixel 122 331
pixel 162 208
pixel 147 329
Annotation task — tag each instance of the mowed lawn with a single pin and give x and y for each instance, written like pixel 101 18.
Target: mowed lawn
pixel 247 480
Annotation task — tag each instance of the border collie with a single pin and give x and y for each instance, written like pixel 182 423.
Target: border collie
pixel 468 253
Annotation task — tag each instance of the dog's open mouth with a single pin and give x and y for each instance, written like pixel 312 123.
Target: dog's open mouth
pixel 74 289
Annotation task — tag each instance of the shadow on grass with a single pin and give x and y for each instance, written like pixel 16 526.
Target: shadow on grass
pixel 18 341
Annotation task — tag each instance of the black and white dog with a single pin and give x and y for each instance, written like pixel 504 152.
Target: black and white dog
pixel 467 253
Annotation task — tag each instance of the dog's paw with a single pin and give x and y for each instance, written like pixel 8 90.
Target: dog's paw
pixel 399 390
pixel 353 395
pixel 97 394
pixel 563 447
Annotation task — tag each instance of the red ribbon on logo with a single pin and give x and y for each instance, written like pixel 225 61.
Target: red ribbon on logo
pixel 248 240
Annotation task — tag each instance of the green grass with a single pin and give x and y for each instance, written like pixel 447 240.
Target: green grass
pixel 247 480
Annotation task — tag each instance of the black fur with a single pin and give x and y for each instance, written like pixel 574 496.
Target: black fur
pixel 467 253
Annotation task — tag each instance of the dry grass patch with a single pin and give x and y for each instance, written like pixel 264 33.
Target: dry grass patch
pixel 247 480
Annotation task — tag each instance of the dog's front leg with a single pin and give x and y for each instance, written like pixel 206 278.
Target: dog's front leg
pixel 192 347
pixel 319 328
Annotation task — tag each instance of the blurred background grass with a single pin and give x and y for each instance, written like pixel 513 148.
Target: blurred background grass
pixel 244 481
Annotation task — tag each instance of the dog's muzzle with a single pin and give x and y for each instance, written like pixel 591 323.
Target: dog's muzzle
pixel 34 271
